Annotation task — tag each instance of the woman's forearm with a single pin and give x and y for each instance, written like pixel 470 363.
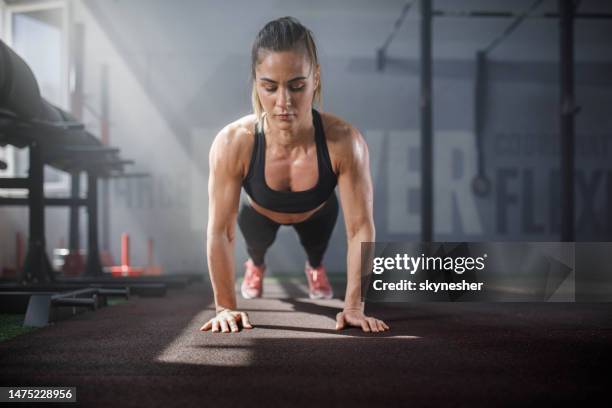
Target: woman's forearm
pixel 220 254
pixel 352 299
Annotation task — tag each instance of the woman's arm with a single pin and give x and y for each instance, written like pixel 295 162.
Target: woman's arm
pixel 356 194
pixel 224 185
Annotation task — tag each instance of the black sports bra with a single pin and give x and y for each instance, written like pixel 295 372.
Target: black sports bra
pixel 290 201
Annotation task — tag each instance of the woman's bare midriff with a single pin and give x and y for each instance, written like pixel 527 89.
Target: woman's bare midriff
pixel 283 218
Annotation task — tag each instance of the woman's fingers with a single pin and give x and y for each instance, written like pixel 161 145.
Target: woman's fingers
pixel 232 324
pixel 227 322
pixel 340 322
pixel 372 323
pixel 245 320
pixel 358 319
pixel 381 325
pixel 224 326
pixel 386 326
pixel 365 326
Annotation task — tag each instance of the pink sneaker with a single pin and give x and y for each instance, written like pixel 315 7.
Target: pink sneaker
pixel 318 284
pixel 252 284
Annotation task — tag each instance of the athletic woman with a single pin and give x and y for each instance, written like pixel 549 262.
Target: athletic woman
pixel 289 158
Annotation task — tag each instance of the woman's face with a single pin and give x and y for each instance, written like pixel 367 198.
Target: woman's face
pixel 286 83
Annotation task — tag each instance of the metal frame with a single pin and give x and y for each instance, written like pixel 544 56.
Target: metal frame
pixel 44 306
pixel 427 228
pixel 514 14
pixel 63 184
pixel 568 109
pixel 63 142
pixel 37 267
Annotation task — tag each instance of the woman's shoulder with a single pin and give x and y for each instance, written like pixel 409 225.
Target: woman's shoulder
pixel 239 131
pixel 238 135
pixel 337 129
pixel 234 143
pixel 346 144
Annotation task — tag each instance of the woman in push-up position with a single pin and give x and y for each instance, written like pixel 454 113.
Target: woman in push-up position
pixel 289 158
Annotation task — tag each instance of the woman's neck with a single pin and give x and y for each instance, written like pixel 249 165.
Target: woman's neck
pixel 299 134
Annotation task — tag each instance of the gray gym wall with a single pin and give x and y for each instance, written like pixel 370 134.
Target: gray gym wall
pixel 179 71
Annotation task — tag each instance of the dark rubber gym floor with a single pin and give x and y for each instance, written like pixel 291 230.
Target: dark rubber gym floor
pixel 149 352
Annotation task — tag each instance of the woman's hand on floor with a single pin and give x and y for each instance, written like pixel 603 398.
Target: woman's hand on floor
pixel 356 318
pixel 227 321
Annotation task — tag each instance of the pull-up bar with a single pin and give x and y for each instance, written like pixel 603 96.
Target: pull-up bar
pixel 481 185
pixel 514 14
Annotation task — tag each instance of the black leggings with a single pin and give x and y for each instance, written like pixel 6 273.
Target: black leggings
pixel 259 231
